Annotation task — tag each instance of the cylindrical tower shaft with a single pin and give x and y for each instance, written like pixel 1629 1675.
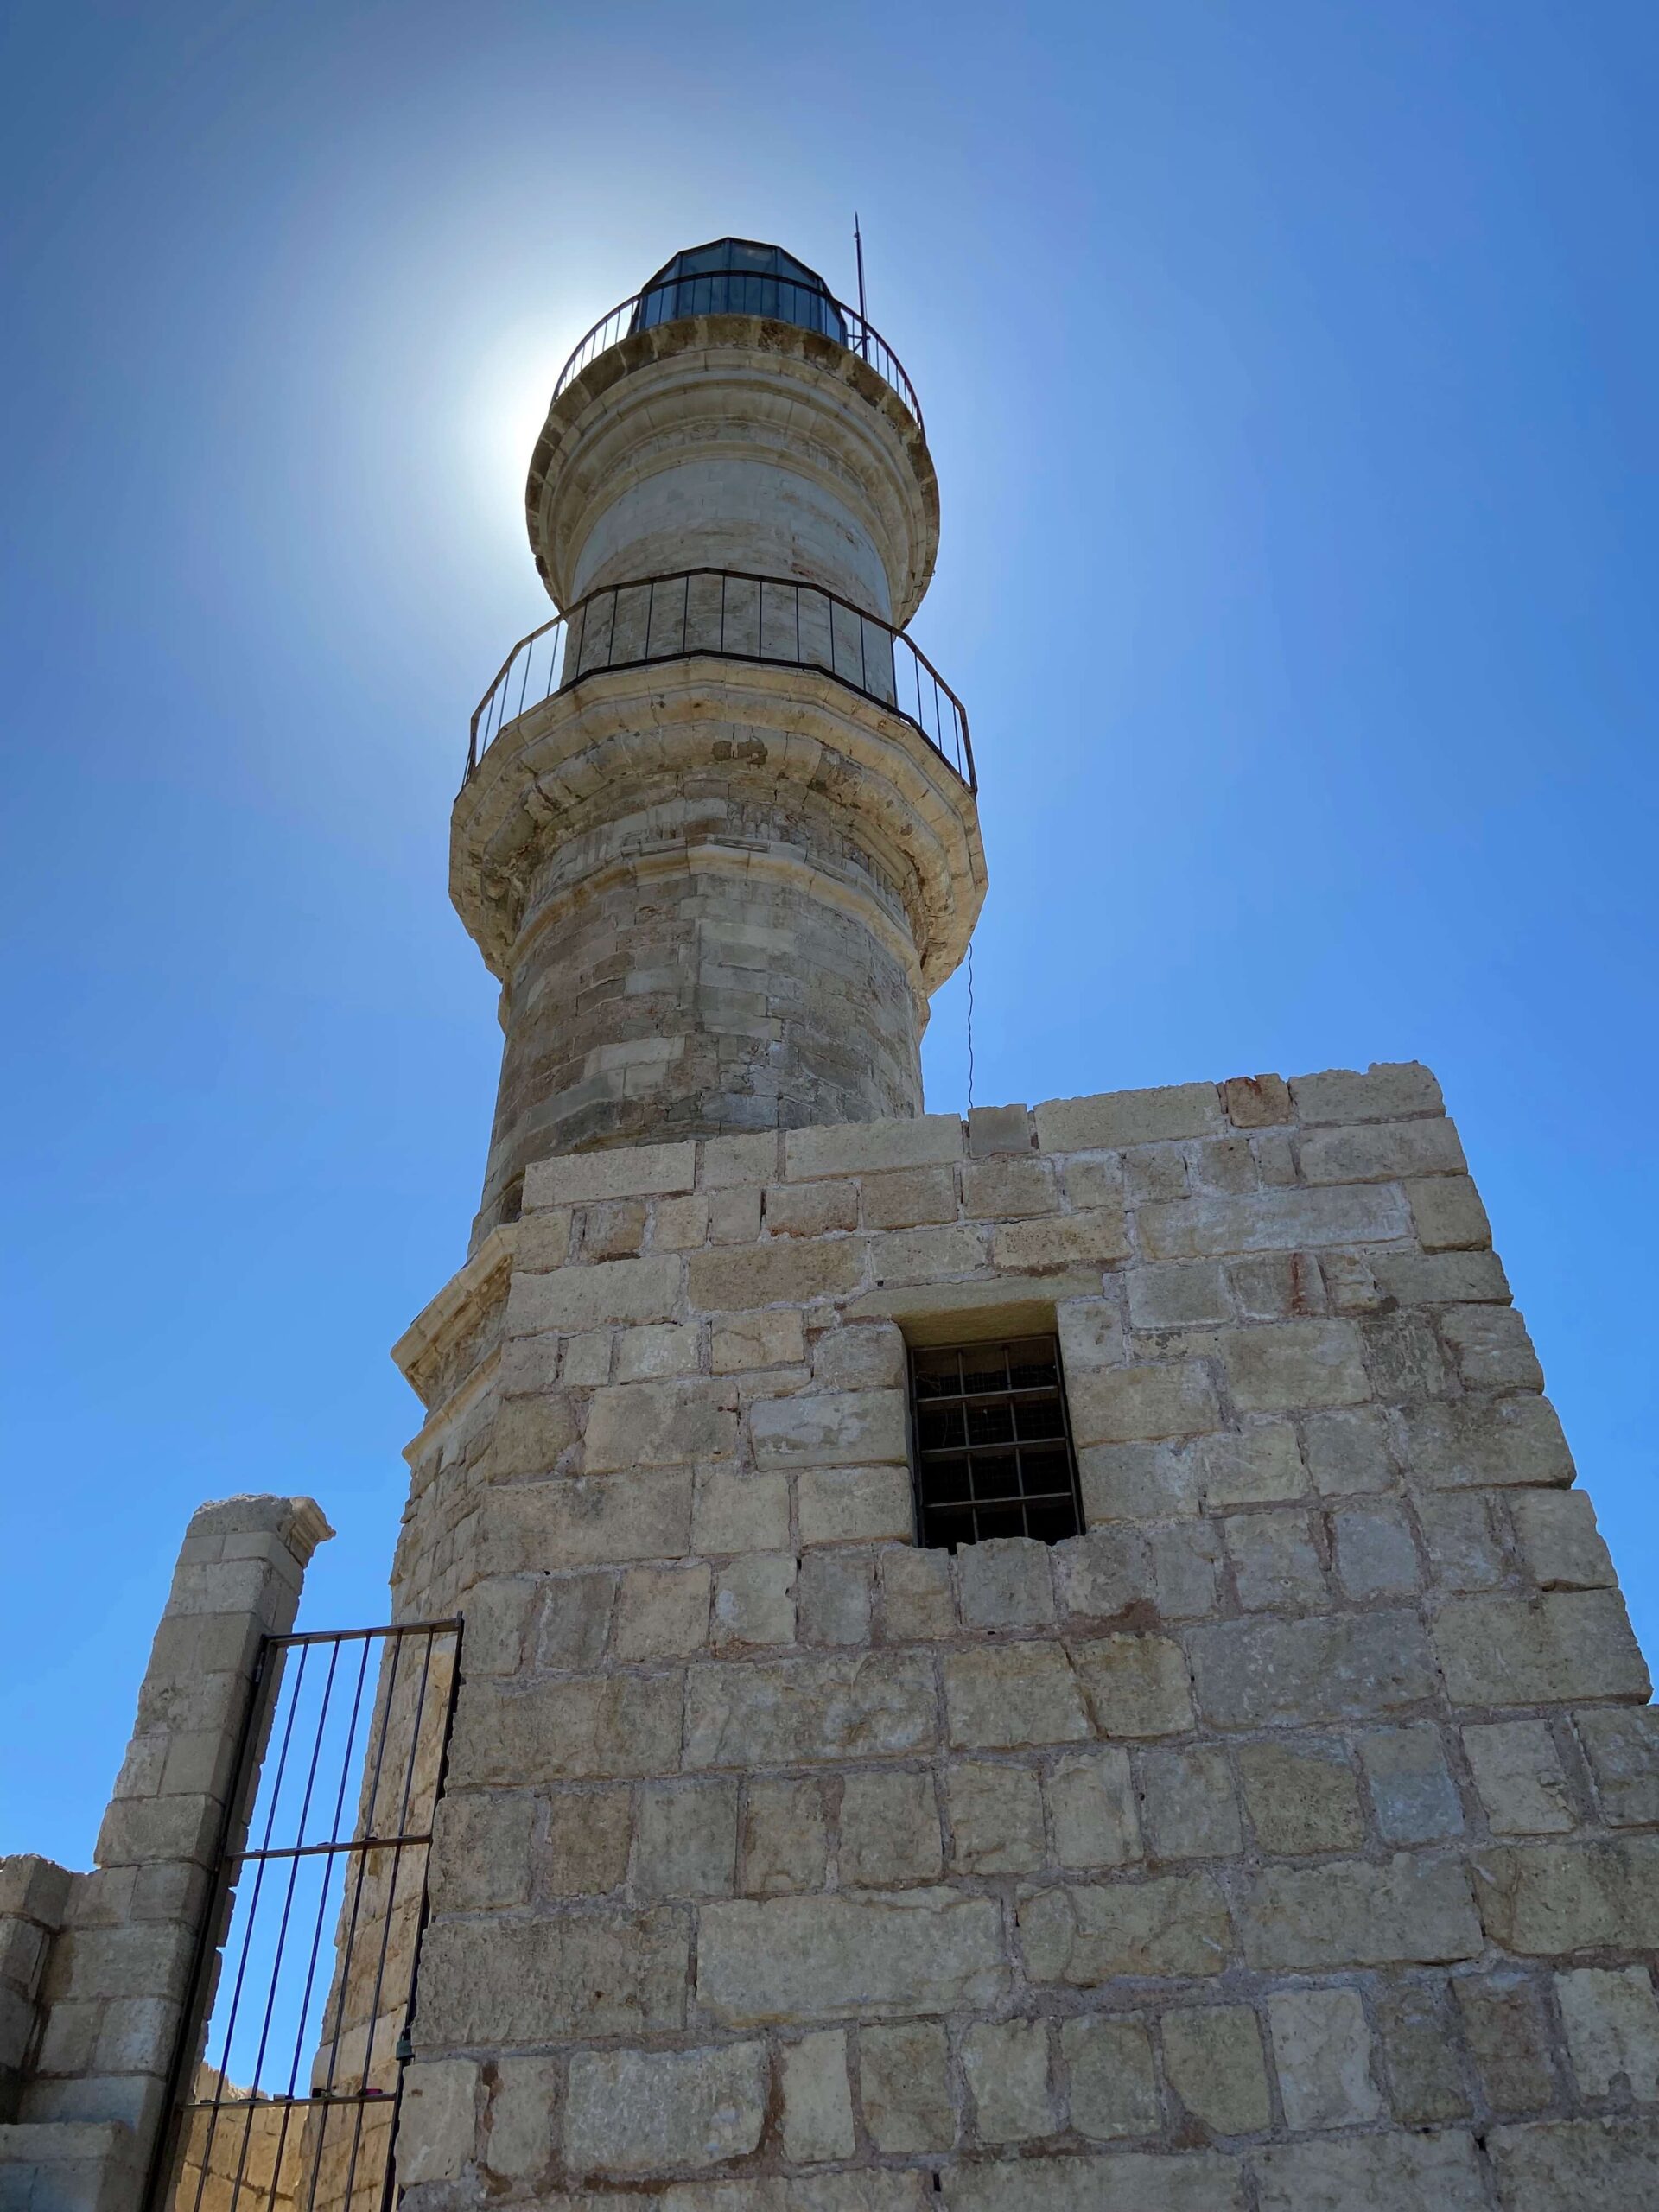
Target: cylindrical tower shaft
pixel 718 867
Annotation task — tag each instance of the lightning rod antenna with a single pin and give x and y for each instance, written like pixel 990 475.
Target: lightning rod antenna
pixel 863 321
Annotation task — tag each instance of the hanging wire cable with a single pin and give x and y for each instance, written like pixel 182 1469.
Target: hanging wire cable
pixel 970 1025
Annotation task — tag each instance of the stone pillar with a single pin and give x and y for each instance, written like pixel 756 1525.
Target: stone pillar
pixel 117 1976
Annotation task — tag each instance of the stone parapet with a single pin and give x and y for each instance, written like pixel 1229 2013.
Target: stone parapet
pixel 1290 1837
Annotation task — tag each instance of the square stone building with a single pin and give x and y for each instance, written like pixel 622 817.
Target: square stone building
pixel 1053 1664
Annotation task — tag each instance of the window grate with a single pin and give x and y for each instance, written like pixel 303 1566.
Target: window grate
pixel 993 1449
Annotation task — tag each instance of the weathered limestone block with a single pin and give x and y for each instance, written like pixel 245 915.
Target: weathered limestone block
pixel 1612 2030
pixel 1504 2027
pixel 437 2120
pixel 1412 1793
pixel 996 1818
pixel 580 1179
pixel 855 1505
pixel 786 1838
pixel 1518 1773
pixel 1120 2181
pixel 1253 1465
pixel 1425 2065
pixel 1406 2173
pixel 1137 1482
pixel 687 1841
pixel 1347 1452
pixel 1276 1566
pixel 905 2087
pixel 1410 1908
pixel 754 1602
pixel 1448 1215
pixel 660 1350
pixel 588 1727
pixel 1623 1749
pixel 921 1255
pixel 1008 1696
pixel 1056 1241
pixel 1005 2064
pixel 481 1852
pixel 524 1981
pixel 638 2111
pixel 769 1713
pixel 1128 1118
pixel 1306 1673
pixel 1539 1651
pixel 811 1209
pixel 916 1601
pixel 594 1296
pixel 1382 1152
pixel 1322 2052
pixel 1481 1442
pixel 1091 1808
pixel 660 1425
pixel 1085 1934
pixel 818 2119
pixel 1006 1583
pixel 662 1612
pixel 732 1512
pixel 1566 2164
pixel 909 1197
pixel 1213 2059
pixel 586 1521
pixel 1302 1799
pixel 843 1957
pixel 1294 1363
pixel 772 1338
pixel 1192 1294
pixel 575 1621
pixel 531 1433
pixel 524 2109
pixel 1008 1189
pixel 1113 2087
pixel 1388 1090
pixel 833 1598
pixel 889 1831
pixel 1272 1221
pixel 1546 1900
pixel 588 1837
pixel 1125 1405
pixel 839 1429
pixel 865 1147
pixel 1374 1555
pixel 1559 1540
pixel 792 1272
pixel 1188 1806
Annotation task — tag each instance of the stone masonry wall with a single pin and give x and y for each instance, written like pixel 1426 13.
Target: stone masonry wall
pixel 1289 1841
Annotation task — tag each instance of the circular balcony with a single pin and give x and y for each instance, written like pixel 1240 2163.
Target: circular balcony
pixel 730 616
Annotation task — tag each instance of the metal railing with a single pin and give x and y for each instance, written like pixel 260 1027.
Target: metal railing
pixel 733 615
pixel 289 2069
pixel 814 309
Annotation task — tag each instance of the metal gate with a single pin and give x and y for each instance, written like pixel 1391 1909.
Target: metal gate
pixel 286 2085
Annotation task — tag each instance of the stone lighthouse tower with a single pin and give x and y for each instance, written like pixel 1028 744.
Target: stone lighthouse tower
pixel 721 865
pixel 1049 1661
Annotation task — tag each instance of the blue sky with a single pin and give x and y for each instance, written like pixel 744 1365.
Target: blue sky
pixel 1288 366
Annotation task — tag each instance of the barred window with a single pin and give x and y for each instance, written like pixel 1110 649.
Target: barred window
pixel 993 1453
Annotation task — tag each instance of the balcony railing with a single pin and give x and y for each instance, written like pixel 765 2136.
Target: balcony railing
pixel 802 305
pixel 733 616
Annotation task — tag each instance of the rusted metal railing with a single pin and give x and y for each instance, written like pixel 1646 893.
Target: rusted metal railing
pixel 733 615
